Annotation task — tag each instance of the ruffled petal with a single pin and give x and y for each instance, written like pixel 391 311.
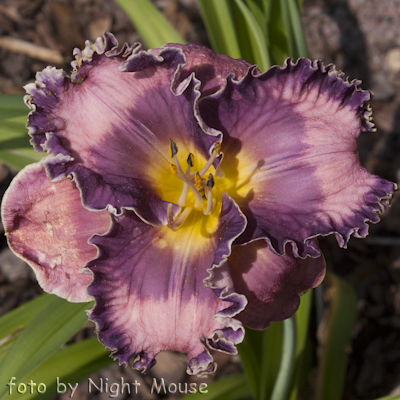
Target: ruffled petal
pixel 47 226
pixel 152 294
pixel 290 148
pixel 110 124
pixel 272 284
pixel 211 69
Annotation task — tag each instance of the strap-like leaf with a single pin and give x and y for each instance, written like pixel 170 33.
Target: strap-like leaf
pixel 282 383
pixel 20 317
pixel 251 355
pixel 257 37
pixel 271 358
pixel 278 41
pixel 66 367
pixel 302 323
pixel 14 102
pixel 150 23
pixel 15 150
pixel 335 334
pixel 44 335
pixel 297 27
pixel 218 20
pixel 232 387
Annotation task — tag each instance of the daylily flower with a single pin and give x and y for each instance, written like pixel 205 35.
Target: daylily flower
pixel 217 178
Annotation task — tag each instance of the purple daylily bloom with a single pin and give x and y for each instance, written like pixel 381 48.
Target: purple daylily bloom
pixel 217 179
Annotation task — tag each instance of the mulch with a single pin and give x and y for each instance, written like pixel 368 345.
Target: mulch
pixel 361 37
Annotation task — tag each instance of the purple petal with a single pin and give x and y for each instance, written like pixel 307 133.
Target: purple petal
pixel 47 226
pixel 291 154
pixel 152 294
pixel 272 284
pixel 211 69
pixel 112 125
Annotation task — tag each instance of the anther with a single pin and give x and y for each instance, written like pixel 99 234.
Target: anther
pixel 217 147
pixel 173 168
pixel 210 181
pixel 173 148
pixel 190 159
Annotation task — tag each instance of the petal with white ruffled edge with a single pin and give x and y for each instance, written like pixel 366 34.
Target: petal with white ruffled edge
pixel 47 226
pixel 290 149
pixel 110 124
pixel 151 293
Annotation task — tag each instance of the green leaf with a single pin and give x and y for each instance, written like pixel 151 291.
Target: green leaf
pixel 17 319
pixel 150 23
pixel 271 358
pixel 18 158
pixel 302 323
pixel 258 13
pixel 6 345
pixel 257 38
pixel 251 358
pixel 15 149
pixel 285 374
pixel 13 102
pixel 242 34
pixel 266 5
pixel 51 328
pixel 68 366
pixel 232 387
pixel 335 329
pixel 277 35
pixel 218 20
pixel 287 27
pixel 394 397
pixel 297 27
pixel 14 115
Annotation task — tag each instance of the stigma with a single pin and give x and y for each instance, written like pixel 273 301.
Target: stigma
pixel 195 182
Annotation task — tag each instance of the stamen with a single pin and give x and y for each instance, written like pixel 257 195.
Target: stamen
pixel 190 159
pixel 214 154
pixel 198 182
pixel 210 181
pixel 174 225
pixel 184 195
pixel 217 147
pixel 174 170
pixel 198 205
pixel 185 189
pixel 210 185
pixel 173 148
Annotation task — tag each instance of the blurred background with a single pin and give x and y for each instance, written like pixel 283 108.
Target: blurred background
pixel 362 38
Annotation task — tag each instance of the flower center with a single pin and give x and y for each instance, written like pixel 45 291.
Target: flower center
pixel 194 181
